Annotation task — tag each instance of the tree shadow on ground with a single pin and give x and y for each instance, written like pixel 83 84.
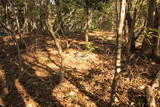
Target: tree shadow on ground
pixel 76 82
pixel 12 98
pixel 39 88
pixel 136 98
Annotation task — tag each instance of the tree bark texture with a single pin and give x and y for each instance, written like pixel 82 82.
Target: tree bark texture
pixel 147 47
pixel 118 52
pixel 150 91
pixel 53 34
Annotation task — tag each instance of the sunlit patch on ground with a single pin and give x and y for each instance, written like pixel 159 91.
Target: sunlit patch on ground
pixel 42 73
pixel 104 35
pixel 81 60
pixel 29 102
pixel 3 88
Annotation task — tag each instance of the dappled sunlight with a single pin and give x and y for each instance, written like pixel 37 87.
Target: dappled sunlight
pixel 104 35
pixel 43 59
pixel 81 60
pixel 41 72
pixel 70 96
pixel 87 77
pixel 73 58
pixel 29 102
pixel 99 33
pixel 3 85
pixel 79 53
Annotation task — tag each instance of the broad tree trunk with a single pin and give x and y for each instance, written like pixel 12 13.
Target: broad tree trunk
pixel 118 53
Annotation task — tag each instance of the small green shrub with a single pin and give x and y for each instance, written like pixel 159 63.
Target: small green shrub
pixel 90 47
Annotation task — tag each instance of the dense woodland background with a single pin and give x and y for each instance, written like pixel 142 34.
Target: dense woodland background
pixel 79 53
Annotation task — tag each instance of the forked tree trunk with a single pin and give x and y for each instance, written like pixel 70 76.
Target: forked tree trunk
pixel 22 42
pixel 118 53
pixel 17 46
pixel 53 34
pixel 131 22
pixel 14 36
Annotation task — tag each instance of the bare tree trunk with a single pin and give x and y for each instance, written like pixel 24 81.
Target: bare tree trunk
pixel 117 15
pixel 118 53
pixel 88 21
pixel 131 25
pixel 157 26
pixel 17 46
pixel 150 91
pixel 59 22
pixel 25 24
pixel 14 37
pixel 53 33
pixel 88 25
pixel 146 47
pixel 86 13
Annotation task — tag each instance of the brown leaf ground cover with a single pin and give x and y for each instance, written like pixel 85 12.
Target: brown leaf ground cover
pixel 88 75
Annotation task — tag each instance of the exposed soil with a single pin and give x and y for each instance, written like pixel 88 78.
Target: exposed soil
pixel 87 76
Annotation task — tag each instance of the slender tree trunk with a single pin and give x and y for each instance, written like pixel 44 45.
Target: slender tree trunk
pixel 25 24
pixel 157 26
pixel 88 25
pixel 86 12
pixel 53 34
pixel 59 22
pixel 118 53
pixel 17 46
pixel 117 15
pixel 150 91
pixel 14 36
pixel 88 21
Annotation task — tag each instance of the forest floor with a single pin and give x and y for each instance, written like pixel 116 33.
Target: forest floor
pixel 87 76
